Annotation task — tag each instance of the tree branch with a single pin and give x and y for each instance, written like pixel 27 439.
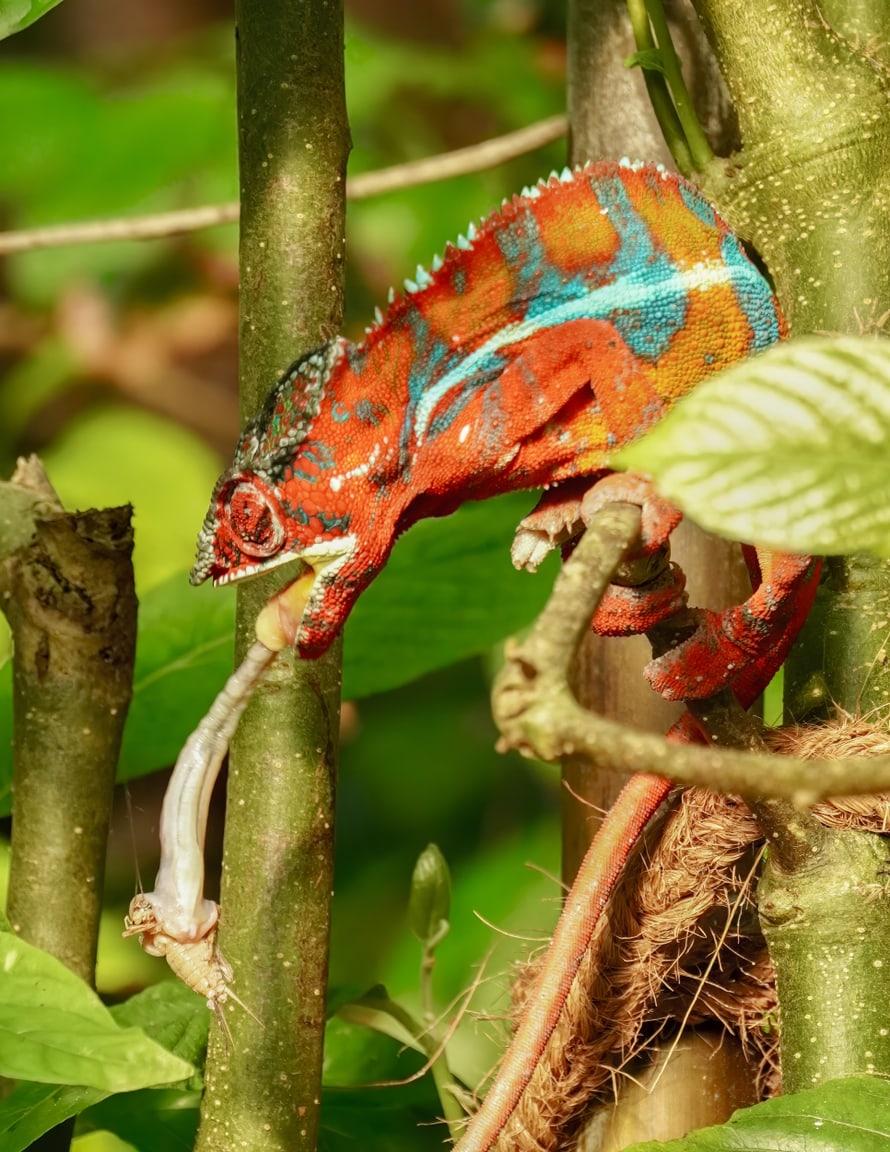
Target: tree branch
pixel 538 714
pixel 265 1094
pixel 71 605
pixel 460 162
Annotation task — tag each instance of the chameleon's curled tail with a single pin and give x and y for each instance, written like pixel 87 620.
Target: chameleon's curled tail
pixel 602 865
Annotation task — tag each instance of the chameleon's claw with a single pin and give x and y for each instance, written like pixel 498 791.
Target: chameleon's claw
pixel 554 521
pixel 531 547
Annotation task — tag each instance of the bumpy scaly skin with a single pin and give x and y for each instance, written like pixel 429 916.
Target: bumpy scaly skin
pixel 564 326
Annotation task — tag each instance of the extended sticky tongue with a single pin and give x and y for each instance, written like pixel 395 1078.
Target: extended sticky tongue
pixel 279 621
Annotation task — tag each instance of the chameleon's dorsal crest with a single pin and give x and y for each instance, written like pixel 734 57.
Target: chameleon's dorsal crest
pixel 287 414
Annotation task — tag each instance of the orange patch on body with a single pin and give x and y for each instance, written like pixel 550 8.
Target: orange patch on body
pixel 573 229
pixel 468 299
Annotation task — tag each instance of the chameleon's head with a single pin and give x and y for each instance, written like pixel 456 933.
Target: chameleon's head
pixel 267 508
pixel 245 531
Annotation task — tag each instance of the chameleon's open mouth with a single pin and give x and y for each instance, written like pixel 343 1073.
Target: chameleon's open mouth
pixel 249 571
pixel 279 620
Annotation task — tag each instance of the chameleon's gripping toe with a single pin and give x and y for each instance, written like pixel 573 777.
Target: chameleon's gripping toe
pixel 560 515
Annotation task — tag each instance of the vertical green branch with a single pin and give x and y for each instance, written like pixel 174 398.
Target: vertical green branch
pixel 671 100
pixel 810 189
pixel 657 87
pixel 278 863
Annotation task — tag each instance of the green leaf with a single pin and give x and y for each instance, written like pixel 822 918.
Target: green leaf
pixel 380 1120
pixel 170 1014
pixel 184 654
pixel 32 1109
pixel 851 1115
pixel 18 14
pixel 787 449
pixel 449 591
pixel 377 1010
pixel 151 1119
pixel 354 1116
pixel 649 59
pixel 55 1029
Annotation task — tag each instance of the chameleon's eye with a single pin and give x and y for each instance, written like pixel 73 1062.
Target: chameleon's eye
pixel 255 521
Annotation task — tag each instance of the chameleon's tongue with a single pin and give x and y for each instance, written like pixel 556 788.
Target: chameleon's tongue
pixel 279 620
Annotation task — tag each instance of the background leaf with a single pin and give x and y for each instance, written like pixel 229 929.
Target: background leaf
pixel 851 1115
pixel 55 1029
pixel 448 592
pixel 788 449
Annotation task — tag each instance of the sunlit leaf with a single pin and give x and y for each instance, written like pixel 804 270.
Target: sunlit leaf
pixel 18 14
pixel 55 1029
pixel 851 1115
pixel 172 1015
pixel 788 449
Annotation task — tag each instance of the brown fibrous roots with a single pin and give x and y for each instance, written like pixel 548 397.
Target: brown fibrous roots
pixel 678 946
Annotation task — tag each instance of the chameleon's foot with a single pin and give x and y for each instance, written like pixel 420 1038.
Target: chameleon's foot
pixel 561 513
pixel 658 520
pixel 553 522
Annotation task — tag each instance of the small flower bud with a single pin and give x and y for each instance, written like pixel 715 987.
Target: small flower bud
pixel 430 903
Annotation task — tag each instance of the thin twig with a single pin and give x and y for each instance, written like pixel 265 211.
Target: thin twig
pixel 461 162
pixel 538 714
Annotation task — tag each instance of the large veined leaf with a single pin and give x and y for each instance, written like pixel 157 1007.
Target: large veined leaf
pixel 55 1029
pixel 788 449
pixel 851 1115
pixel 169 1013
pixel 18 14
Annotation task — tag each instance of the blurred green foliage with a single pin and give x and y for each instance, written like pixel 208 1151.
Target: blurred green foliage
pixel 150 130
